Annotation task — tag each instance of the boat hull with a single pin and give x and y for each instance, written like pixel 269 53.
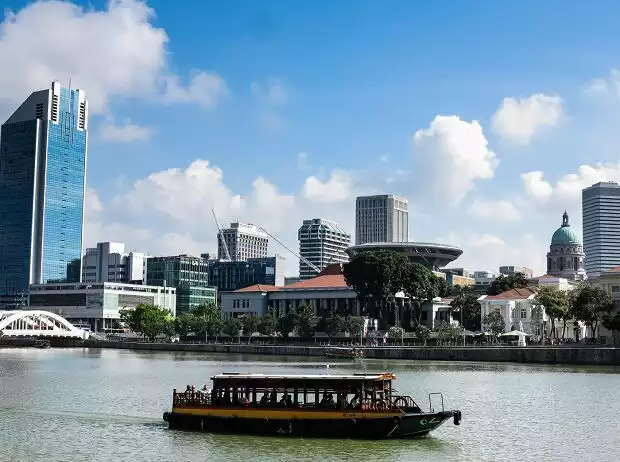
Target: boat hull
pixel 319 424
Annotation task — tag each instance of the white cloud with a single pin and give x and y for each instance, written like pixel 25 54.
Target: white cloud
pixel 204 89
pixel 519 120
pixel 495 210
pixel 112 52
pixel 92 203
pixel 338 188
pixel 452 155
pixel 302 160
pixel 272 92
pixel 385 158
pixel 605 86
pixel 126 133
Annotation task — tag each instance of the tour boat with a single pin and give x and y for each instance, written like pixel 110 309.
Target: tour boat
pixel 304 405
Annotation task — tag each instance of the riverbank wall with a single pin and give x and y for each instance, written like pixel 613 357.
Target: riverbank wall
pixel 532 354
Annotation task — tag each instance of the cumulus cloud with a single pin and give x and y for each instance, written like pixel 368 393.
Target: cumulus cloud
pixel 605 86
pixel 336 189
pixel 272 92
pixel 112 52
pixel 451 155
pixel 495 210
pixel 127 132
pixel 519 120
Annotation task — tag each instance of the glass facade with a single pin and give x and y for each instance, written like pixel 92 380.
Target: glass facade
pixel 234 275
pixel 64 190
pixel 601 227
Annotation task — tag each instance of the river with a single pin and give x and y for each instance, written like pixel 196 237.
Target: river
pixel 82 405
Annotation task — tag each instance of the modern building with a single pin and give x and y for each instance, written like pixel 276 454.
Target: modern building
pixel 382 218
pixel 454 280
pixel 98 305
pixel 108 262
pixel 565 258
pixel 43 152
pixel 483 279
pixel 601 227
pixel 244 241
pixel 189 275
pixel 321 242
pixel 433 256
pixel 459 272
pixel 512 270
pixel 234 275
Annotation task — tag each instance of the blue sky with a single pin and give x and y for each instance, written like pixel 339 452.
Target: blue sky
pixel 335 91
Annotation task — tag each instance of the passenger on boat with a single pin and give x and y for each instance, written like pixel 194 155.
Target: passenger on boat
pixel 342 401
pixel 264 400
pixel 354 404
pixel 273 398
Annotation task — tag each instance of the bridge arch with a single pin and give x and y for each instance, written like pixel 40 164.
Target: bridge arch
pixel 37 323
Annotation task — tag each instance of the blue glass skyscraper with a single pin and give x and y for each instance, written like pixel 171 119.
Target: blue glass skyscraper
pixel 43 152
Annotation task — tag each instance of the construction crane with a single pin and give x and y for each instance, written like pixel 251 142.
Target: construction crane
pixel 221 235
pixel 314 267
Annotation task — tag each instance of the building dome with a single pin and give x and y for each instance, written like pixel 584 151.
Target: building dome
pixel 566 235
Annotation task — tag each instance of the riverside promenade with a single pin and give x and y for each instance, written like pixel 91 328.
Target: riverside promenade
pixel 595 355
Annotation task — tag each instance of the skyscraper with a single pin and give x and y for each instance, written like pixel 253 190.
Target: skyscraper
pixel 321 242
pixel 244 241
pixel 601 227
pixel 43 151
pixel 383 218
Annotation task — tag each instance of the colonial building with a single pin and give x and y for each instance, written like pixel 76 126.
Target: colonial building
pixel 565 258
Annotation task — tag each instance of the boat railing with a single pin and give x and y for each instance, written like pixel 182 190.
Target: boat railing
pixel 430 401
pixel 405 403
pixel 186 398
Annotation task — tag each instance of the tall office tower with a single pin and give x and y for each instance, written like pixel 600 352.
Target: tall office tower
pixel 383 218
pixel 321 242
pixel 43 151
pixel 244 241
pixel 601 227
pixel 109 262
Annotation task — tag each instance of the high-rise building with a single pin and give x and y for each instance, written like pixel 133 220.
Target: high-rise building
pixel 512 270
pixel 244 241
pixel 43 152
pixel 601 227
pixel 321 242
pixel 383 218
pixel 189 275
pixel 109 262
pixel 234 275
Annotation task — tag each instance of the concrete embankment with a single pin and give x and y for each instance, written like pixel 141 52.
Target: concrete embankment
pixel 532 354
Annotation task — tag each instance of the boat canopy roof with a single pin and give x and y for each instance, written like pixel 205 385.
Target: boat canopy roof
pixel 298 381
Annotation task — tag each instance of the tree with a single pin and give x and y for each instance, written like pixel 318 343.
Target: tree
pixel 268 324
pixel 503 283
pixel 612 322
pixel 207 320
pixel 354 325
pixel 375 275
pixel 465 303
pixel 250 324
pixel 148 320
pixel 305 321
pixel 184 324
pixel 397 333
pixel 423 333
pixel 419 284
pixel 494 322
pixel 334 323
pixel 232 327
pixel 286 324
pixel 590 305
pixel 555 303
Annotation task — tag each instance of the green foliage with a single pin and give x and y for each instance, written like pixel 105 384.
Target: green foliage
pixel 466 303
pixel 375 276
pixel 420 285
pixel 590 304
pixel 612 322
pixel 334 323
pixel 268 324
pixel 305 321
pixel 184 324
pixel 423 333
pixel 504 283
pixel 148 320
pixel 250 324
pixel 286 324
pixel 494 322
pixel 448 334
pixel 396 333
pixel 555 303
pixel 354 325
pixel 232 327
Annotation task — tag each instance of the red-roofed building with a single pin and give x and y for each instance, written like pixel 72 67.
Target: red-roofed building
pixel 517 307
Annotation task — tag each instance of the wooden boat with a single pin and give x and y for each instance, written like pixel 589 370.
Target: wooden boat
pixel 347 353
pixel 303 405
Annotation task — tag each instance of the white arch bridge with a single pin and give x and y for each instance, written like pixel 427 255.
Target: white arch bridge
pixel 37 323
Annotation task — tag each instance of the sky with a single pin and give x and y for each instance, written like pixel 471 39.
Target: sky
pixel 490 117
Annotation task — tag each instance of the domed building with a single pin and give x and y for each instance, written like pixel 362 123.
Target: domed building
pixel 566 257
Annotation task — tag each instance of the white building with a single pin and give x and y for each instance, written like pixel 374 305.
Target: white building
pixel 511 270
pixel 98 304
pixel 322 243
pixel 109 262
pixel 382 218
pixel 244 241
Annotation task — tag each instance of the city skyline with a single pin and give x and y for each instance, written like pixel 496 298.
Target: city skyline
pixel 488 149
